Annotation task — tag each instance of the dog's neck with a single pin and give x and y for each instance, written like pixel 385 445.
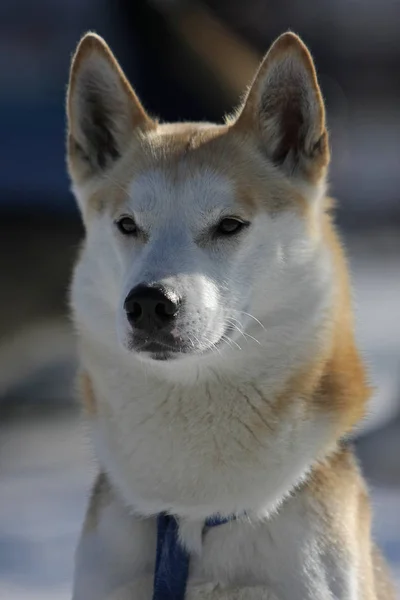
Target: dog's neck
pixel 228 441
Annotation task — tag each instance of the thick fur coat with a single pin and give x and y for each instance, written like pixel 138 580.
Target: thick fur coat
pixel 232 392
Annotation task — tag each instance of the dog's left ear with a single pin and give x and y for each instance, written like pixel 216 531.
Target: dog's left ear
pixel 285 111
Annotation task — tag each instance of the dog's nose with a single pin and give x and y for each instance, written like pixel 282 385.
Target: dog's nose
pixel 151 307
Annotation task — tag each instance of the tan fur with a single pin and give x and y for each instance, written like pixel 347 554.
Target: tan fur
pixel 221 145
pixel 336 381
pixel 100 497
pixel 341 497
pixel 87 394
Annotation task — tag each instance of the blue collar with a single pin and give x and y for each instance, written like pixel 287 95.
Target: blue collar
pixel 172 560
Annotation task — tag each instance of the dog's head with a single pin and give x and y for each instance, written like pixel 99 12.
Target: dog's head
pixel 201 239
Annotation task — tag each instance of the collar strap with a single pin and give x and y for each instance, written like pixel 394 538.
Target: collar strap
pixel 172 560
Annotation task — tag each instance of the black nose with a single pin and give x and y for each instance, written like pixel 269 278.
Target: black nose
pixel 151 307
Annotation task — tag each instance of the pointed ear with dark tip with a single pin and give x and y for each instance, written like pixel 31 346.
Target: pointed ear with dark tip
pixel 285 109
pixel 103 110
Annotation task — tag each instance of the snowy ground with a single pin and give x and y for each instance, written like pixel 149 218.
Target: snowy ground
pixel 45 473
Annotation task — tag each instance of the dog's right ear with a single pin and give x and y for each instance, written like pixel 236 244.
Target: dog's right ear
pixel 103 110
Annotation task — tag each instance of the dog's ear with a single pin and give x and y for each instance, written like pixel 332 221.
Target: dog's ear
pixel 103 111
pixel 285 110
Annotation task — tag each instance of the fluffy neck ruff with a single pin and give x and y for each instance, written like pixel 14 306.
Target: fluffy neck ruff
pixel 224 445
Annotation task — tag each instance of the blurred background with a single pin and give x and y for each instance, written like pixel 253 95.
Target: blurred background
pixel 186 60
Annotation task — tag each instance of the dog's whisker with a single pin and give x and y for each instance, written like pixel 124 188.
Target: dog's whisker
pixel 191 340
pixel 236 327
pixel 226 339
pixel 241 331
pixel 251 337
pixel 215 348
pixel 251 317
pixel 230 318
pixel 212 344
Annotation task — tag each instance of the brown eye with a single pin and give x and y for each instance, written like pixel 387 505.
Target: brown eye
pixel 127 226
pixel 230 226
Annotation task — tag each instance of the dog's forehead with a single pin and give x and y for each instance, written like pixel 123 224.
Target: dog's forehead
pixel 199 172
pixel 181 191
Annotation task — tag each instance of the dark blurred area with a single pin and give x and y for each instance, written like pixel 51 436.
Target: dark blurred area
pixel 191 61
pixel 187 61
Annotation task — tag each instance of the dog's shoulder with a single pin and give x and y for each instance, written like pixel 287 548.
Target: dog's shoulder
pixel 338 494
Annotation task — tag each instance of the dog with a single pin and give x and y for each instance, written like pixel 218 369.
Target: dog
pixel 219 370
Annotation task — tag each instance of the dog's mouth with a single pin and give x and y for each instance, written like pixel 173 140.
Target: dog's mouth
pixel 158 350
pixel 159 347
pixel 164 347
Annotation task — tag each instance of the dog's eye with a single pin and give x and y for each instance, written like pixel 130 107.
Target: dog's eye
pixel 230 226
pixel 127 226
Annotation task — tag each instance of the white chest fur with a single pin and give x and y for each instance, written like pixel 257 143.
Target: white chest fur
pixel 215 447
